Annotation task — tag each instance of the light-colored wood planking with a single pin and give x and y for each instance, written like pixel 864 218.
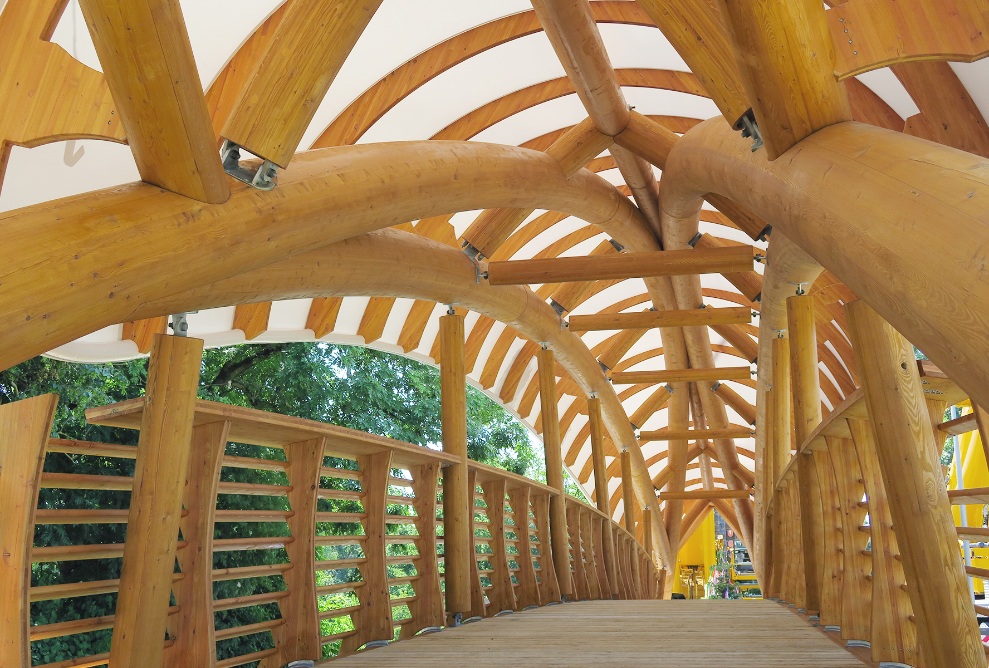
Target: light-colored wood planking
pixel 252 319
pixel 149 66
pixel 701 634
pixel 624 265
pixel 653 319
pixel 163 455
pixel 682 375
pixel 869 34
pixel 912 472
pixel 304 54
pixel 24 430
pixel 48 95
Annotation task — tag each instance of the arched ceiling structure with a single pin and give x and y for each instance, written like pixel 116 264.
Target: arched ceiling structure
pixel 485 71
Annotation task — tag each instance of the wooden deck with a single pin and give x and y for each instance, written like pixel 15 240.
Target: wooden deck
pixel 676 634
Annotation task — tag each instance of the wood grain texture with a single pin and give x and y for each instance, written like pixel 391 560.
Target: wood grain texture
pixel 624 265
pixel 148 63
pixel 142 332
pixel 457 493
pixel 869 34
pixel 24 429
pixel 917 498
pixel 163 454
pixel 252 319
pixel 670 434
pixel 785 55
pixel 48 95
pixel 193 626
pixel 682 375
pixel 761 634
pixel 654 319
pixel 304 54
pixel 554 467
pixel 299 637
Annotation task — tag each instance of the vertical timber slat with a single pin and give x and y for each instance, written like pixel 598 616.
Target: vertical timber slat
pixel 24 429
pixel 195 642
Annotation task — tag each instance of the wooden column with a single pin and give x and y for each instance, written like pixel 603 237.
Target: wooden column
pixel 458 498
pixel 679 415
pixel 581 587
pixel 156 502
pixel 806 392
pixel 299 637
pixel 193 627
pixel 946 626
pixel 427 609
pixel 628 493
pixel 600 526
pixel 373 621
pixel 554 468
pixel 590 554
pixel 647 542
pixel 856 589
pixel 24 430
pixel 528 590
pixel 601 495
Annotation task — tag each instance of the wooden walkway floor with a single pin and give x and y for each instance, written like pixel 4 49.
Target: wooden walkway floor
pixel 673 634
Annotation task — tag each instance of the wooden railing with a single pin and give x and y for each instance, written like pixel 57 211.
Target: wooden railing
pixel 308 540
pixel 858 525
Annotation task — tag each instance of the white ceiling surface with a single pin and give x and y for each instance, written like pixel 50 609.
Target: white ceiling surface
pixel 398 32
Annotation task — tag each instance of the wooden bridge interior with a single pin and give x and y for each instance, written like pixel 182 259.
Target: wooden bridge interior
pixel 719 255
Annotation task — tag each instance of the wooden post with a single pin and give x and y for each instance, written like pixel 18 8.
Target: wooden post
pixel 806 389
pixel 601 495
pixel 156 502
pixel 946 626
pixel 679 415
pixel 581 587
pixel 193 626
pixel 373 621
pixel 601 529
pixel 649 591
pixel 458 498
pixel 554 468
pixel 628 493
pixel 299 637
pixel 427 608
pixel 24 430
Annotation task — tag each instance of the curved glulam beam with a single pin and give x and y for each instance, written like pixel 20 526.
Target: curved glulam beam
pixel 365 265
pixel 903 200
pixel 292 75
pixel 869 34
pixel 86 262
pixel 43 77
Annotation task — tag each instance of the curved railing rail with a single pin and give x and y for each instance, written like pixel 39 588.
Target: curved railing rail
pixel 297 540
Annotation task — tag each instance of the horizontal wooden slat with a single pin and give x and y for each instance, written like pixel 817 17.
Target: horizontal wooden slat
pixel 92 449
pixel 682 375
pixel 960 425
pixel 248 629
pixel 706 494
pixel 260 543
pixel 622 266
pixel 247 601
pixel 973 496
pixel 652 319
pixel 244 572
pixel 977 534
pixel 734 431
pixel 246 658
pixel 106 483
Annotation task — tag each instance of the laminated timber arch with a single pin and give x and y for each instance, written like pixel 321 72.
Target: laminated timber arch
pixel 309 237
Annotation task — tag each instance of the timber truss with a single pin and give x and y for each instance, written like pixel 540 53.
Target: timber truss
pixel 585 285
